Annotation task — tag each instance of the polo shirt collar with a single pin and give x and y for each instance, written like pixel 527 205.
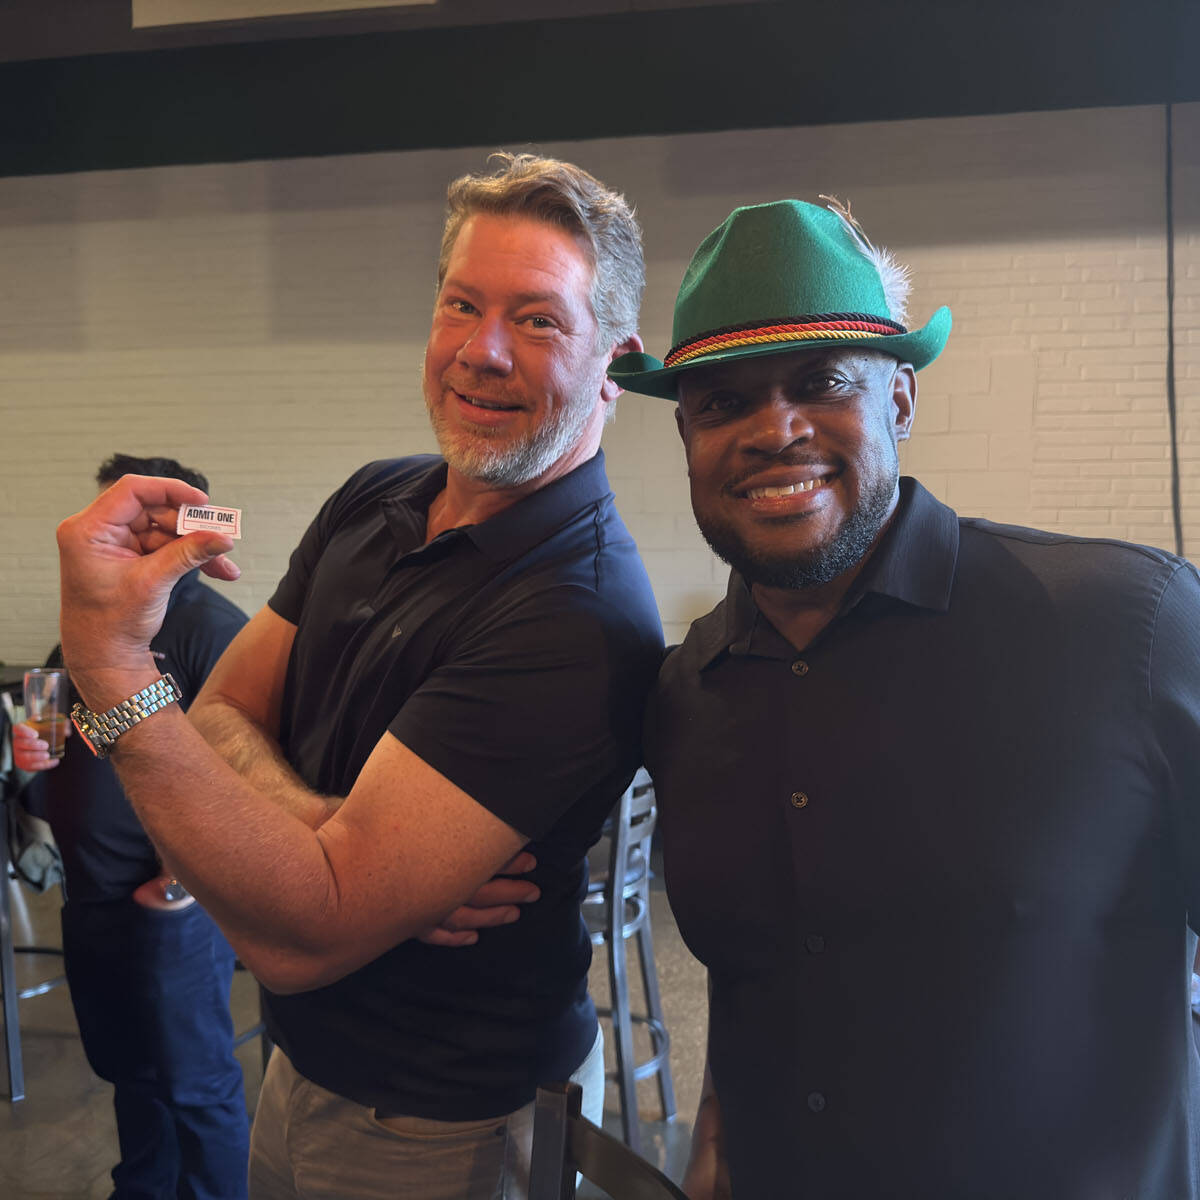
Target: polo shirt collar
pixel 914 564
pixel 521 526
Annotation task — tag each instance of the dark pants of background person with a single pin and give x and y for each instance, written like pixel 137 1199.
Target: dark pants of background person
pixel 151 994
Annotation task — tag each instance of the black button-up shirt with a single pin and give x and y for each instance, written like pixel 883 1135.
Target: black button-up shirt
pixel 940 867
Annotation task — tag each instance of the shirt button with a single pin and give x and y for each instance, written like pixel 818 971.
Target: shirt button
pixel 799 799
pixel 799 667
pixel 816 1101
pixel 814 943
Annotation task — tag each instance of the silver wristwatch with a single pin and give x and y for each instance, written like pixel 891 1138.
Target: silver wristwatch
pixel 101 730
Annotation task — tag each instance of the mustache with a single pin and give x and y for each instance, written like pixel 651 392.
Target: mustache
pixel 470 384
pixel 785 458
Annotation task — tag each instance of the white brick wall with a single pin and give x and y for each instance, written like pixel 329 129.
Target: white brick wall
pixel 264 322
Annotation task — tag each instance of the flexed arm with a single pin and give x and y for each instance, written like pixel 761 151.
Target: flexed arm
pixel 238 714
pixel 302 906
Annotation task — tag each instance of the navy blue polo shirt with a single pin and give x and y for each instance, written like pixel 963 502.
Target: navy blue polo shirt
pixel 513 656
pixel 940 865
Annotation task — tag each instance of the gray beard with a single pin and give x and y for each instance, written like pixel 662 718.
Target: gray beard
pixel 812 568
pixel 502 463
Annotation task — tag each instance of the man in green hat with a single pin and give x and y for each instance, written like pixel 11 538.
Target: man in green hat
pixel 929 785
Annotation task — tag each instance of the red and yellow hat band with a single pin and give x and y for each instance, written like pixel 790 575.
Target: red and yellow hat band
pixel 823 327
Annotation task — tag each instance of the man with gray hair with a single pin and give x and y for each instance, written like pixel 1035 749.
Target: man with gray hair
pixel 446 687
pixel 948 772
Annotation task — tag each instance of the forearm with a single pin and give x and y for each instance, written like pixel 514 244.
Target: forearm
pixel 254 754
pixel 263 876
pixel 707 1174
pixel 303 907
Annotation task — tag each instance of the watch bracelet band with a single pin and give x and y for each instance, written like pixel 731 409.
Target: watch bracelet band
pixel 121 718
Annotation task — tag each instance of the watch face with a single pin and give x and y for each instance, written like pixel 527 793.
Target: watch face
pixel 79 718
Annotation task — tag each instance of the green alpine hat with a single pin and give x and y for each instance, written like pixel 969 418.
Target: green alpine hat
pixel 775 278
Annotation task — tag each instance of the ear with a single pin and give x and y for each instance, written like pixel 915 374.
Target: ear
pixel 904 401
pixel 610 390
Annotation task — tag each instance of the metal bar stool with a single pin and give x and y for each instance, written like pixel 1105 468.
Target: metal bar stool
pixel 616 908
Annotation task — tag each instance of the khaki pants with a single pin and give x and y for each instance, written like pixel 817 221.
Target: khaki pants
pixel 310 1144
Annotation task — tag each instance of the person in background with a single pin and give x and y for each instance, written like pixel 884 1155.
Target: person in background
pixel 946 773
pixel 149 971
pixel 447 684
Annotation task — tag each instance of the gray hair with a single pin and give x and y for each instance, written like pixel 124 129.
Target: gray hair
pixel 562 194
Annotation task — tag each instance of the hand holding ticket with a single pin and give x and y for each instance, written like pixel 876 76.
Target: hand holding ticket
pixel 208 519
pixel 120 558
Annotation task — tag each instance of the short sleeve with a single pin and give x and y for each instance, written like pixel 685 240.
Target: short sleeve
pixel 538 710
pixel 1175 707
pixel 287 600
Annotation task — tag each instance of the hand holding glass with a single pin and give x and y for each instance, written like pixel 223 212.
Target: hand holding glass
pixel 46 706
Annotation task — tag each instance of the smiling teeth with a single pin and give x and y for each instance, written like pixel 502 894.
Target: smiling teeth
pixel 788 490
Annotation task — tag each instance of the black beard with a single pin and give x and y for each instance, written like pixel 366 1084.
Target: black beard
pixel 812 568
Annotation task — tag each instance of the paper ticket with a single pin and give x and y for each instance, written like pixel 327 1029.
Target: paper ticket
pixel 207 519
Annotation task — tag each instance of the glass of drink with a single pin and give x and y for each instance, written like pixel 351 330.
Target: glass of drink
pixel 46 706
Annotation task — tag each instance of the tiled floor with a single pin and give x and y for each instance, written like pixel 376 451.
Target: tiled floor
pixel 60 1141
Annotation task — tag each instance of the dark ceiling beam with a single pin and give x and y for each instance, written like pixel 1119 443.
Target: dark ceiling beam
pixel 32 29
pixel 705 68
